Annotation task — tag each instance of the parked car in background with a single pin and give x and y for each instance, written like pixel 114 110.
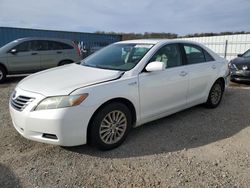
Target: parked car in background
pixel 29 55
pixel 120 86
pixel 240 67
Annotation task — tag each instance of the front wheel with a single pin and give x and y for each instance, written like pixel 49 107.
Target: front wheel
pixel 110 126
pixel 215 95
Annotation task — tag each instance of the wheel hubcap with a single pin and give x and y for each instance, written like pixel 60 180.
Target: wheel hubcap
pixel 113 127
pixel 216 94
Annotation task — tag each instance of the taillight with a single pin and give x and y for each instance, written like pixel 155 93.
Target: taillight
pixel 78 51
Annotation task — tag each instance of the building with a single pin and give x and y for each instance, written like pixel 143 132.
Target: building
pixel 89 42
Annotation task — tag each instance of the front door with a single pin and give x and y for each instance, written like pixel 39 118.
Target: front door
pixel 26 59
pixel 164 91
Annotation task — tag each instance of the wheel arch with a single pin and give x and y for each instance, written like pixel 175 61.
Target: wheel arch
pixel 68 60
pixel 124 101
pixel 222 80
pixel 3 66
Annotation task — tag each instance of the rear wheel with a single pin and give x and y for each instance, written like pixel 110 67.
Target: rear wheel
pixel 215 95
pixel 2 74
pixel 110 126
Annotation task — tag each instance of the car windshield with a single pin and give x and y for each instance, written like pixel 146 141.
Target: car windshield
pixel 246 54
pixel 120 56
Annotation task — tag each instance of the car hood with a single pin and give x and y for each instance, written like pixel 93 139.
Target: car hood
pixel 241 60
pixel 63 80
pixel 2 51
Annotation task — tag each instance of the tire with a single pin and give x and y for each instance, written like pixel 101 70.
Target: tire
pixel 65 62
pixel 215 95
pixel 2 74
pixel 110 126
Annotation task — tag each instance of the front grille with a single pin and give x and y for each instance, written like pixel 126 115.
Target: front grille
pixel 20 102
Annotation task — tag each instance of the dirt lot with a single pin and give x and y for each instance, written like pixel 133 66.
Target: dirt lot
pixel 194 148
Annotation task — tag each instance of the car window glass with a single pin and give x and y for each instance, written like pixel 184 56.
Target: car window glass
pixel 121 56
pixel 66 46
pixel 55 45
pixel 170 55
pixel 42 45
pixel 208 56
pixel 23 47
pixel 194 54
pixel 131 54
pixel 246 54
pixel 34 45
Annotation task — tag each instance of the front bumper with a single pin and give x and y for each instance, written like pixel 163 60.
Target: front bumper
pixel 240 76
pixel 65 126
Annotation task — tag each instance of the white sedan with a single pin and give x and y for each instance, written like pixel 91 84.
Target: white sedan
pixel 124 85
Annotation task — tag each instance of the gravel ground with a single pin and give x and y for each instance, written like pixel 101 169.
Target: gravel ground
pixel 197 147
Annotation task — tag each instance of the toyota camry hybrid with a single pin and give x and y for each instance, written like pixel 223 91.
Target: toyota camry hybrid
pixel 124 85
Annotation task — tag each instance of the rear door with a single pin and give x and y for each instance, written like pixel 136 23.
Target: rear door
pixel 52 55
pixel 26 59
pixel 71 52
pixel 202 70
pixel 55 53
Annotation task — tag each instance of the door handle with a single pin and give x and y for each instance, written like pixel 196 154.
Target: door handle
pixel 34 53
pixel 59 52
pixel 213 66
pixel 183 73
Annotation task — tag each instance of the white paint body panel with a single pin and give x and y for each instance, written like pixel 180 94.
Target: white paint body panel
pixel 64 79
pixel 153 94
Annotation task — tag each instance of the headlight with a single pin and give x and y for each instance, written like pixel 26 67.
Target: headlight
pixel 61 102
pixel 232 66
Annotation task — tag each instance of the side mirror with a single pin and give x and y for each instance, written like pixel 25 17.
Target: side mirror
pixel 239 55
pixel 155 66
pixel 13 51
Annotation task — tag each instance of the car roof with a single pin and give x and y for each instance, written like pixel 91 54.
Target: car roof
pixel 169 41
pixel 157 41
pixel 43 38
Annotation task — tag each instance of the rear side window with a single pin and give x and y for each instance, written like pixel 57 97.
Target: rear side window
pixel 33 45
pixel 66 46
pixel 194 54
pixel 59 46
pixel 42 45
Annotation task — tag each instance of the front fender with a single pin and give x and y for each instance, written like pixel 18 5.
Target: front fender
pixel 99 94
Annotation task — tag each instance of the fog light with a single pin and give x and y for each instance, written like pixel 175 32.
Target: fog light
pixel 49 136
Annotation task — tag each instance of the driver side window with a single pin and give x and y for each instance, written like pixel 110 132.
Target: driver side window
pixel 23 47
pixel 170 55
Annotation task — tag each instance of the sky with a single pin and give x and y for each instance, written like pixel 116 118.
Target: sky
pixel 175 16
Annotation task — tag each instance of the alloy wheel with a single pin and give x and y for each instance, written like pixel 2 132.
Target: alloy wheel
pixel 216 94
pixel 113 127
